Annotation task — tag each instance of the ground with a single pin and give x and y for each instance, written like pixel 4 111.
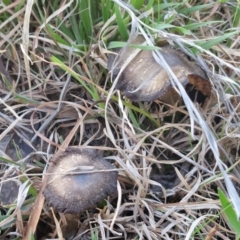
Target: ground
pixel 177 157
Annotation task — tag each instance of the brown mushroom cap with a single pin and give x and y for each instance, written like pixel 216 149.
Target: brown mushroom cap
pixel 70 192
pixel 145 80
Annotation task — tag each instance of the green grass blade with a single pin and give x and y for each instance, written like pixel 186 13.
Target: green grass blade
pixel 94 11
pixel 139 110
pixel 94 235
pixel 162 26
pixel 133 118
pixel 106 9
pixel 121 25
pixel 194 26
pixel 236 18
pixel 159 7
pixel 32 236
pixel 70 71
pixel 9 161
pixel 56 37
pixel 150 4
pixel 86 19
pixel 76 30
pixel 229 212
pixel 66 31
pixel 215 41
pixel 32 190
pixel 90 88
pixel 187 11
pixel 114 44
pixel 137 3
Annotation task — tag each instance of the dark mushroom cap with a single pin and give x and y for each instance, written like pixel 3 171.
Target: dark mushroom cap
pixel 145 80
pixel 70 192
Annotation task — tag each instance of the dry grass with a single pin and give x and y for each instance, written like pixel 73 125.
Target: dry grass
pixel 55 91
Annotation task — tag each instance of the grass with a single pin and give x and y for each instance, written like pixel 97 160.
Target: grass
pixel 55 91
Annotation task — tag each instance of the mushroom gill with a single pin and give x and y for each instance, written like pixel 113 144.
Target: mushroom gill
pixel 77 180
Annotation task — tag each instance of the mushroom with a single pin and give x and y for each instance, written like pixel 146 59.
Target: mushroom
pixel 144 79
pixel 78 180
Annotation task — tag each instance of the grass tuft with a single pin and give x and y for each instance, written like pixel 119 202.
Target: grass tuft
pixel 172 160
